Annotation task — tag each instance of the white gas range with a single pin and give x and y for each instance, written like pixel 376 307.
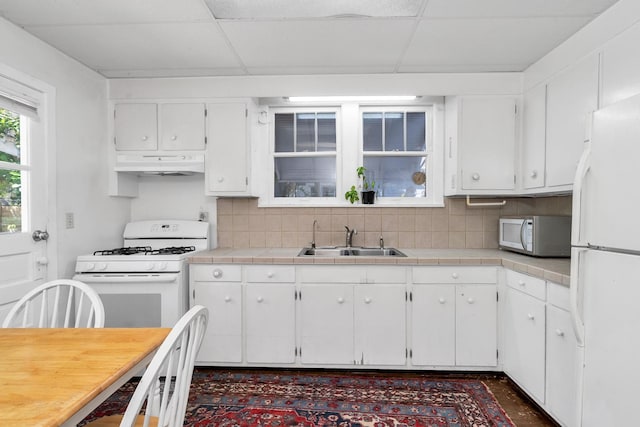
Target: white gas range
pixel 145 283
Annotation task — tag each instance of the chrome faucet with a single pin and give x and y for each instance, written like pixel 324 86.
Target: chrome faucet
pixel 349 237
pixel 313 241
pixel 381 242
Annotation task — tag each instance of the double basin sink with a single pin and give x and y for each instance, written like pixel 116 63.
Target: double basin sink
pixel 340 251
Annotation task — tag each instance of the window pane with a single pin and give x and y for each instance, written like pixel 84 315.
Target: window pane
pixel 372 131
pixel 10 201
pixel 284 133
pixel 398 176
pixel 305 176
pixel 326 132
pixel 416 132
pixel 306 132
pixel 394 132
pixel 9 136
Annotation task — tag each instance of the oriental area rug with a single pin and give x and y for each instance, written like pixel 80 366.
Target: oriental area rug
pixel 231 398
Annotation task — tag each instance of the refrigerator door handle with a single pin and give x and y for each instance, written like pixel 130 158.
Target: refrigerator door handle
pixel 574 293
pixel 581 172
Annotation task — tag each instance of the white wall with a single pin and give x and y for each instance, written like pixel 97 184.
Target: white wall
pixel 80 142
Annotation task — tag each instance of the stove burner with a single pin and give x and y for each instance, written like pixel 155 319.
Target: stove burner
pixel 172 250
pixel 131 250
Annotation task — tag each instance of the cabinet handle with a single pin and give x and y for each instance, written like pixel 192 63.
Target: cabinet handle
pixel 521 283
pixel 531 316
pixel 174 137
pixel 220 178
pixel 144 137
pixel 470 300
pixel 227 298
pixel 340 300
pixel 534 174
pixel 270 275
pixel 259 299
pixel 367 300
pixel 454 275
pixel 217 273
pixel 442 300
pixel 475 177
pixel 559 333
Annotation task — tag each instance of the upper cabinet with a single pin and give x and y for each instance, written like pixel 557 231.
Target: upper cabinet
pixel 534 137
pixel 572 96
pixel 480 144
pixel 227 155
pixel 621 67
pixel 159 127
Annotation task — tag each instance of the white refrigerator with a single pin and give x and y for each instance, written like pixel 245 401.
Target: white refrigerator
pixel 605 267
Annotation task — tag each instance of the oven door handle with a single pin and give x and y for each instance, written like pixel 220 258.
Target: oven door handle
pixel 157 278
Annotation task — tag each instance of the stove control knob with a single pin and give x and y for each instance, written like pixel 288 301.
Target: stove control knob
pixel 90 266
pixel 101 266
pixel 149 266
pixel 163 265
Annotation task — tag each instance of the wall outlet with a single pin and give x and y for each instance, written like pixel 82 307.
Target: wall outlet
pixel 69 220
pixel 204 216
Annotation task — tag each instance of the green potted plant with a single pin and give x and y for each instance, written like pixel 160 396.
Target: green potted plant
pixel 352 195
pixel 368 187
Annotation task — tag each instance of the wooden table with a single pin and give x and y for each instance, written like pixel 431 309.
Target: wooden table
pixel 53 377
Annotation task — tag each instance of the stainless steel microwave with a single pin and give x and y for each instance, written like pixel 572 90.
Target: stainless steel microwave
pixel 536 235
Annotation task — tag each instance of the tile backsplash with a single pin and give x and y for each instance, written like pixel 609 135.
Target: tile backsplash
pixel 242 224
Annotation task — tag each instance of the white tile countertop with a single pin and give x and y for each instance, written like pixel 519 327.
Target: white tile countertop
pixel 553 269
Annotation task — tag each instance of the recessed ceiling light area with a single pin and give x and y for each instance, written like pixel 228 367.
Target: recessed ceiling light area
pixel 306 9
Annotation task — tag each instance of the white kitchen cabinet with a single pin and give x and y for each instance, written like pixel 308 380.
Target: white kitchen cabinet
pixel 227 160
pixel 563 368
pixel 270 318
pixel 534 137
pixel 571 98
pixel 159 127
pixel 454 316
pixel 480 144
pixel 353 315
pixel 620 68
pixel 219 288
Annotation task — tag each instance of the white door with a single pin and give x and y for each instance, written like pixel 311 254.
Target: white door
pixel 182 127
pixel 433 325
pixel 136 127
pixel 476 323
pixel 24 154
pixel 534 137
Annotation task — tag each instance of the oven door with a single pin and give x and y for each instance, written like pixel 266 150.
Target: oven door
pixel 139 300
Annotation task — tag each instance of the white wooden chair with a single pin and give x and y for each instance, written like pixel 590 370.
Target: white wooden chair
pixel 174 361
pixel 61 303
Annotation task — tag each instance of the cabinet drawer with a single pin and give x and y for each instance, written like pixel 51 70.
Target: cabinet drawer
pixel 216 273
pixel 332 274
pixel 529 285
pixel 454 275
pixel 271 274
pixel 558 295
pixel 388 274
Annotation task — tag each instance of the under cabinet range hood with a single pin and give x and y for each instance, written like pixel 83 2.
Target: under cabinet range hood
pixel 160 164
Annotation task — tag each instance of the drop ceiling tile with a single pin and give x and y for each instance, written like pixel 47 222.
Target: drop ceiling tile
pixel 65 12
pixel 470 43
pixel 172 72
pixel 313 43
pixel 140 47
pixel 511 8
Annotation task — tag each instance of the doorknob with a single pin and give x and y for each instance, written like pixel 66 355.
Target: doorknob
pixel 39 235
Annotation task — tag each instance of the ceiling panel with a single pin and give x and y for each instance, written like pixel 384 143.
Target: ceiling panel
pixel 511 8
pixel 327 43
pixel 142 47
pixel 63 12
pixel 490 44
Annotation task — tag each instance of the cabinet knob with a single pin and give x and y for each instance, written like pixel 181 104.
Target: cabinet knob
pixel 470 300
pixel 475 177
pixel 340 300
pixel 144 137
pixel 559 333
pixel 217 273
pixel 454 275
pixel 531 316
pixel 442 300
pixel 259 299
pixel 174 137
pixel 270 275
pixel 534 174
pixel 521 283
pixel 367 300
pixel 227 298
pixel 220 178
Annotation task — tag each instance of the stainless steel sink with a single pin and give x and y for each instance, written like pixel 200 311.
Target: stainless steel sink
pixel 353 251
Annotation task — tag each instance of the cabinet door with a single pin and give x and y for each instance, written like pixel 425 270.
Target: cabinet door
pixel 226 161
pixel 326 323
pixel 476 323
pixel 270 322
pixel 533 141
pixel 223 339
pixel 487 132
pixel 433 325
pixel 563 368
pixel 136 127
pixel 182 126
pixel 524 347
pixel 620 69
pixel 571 97
pixel 380 325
